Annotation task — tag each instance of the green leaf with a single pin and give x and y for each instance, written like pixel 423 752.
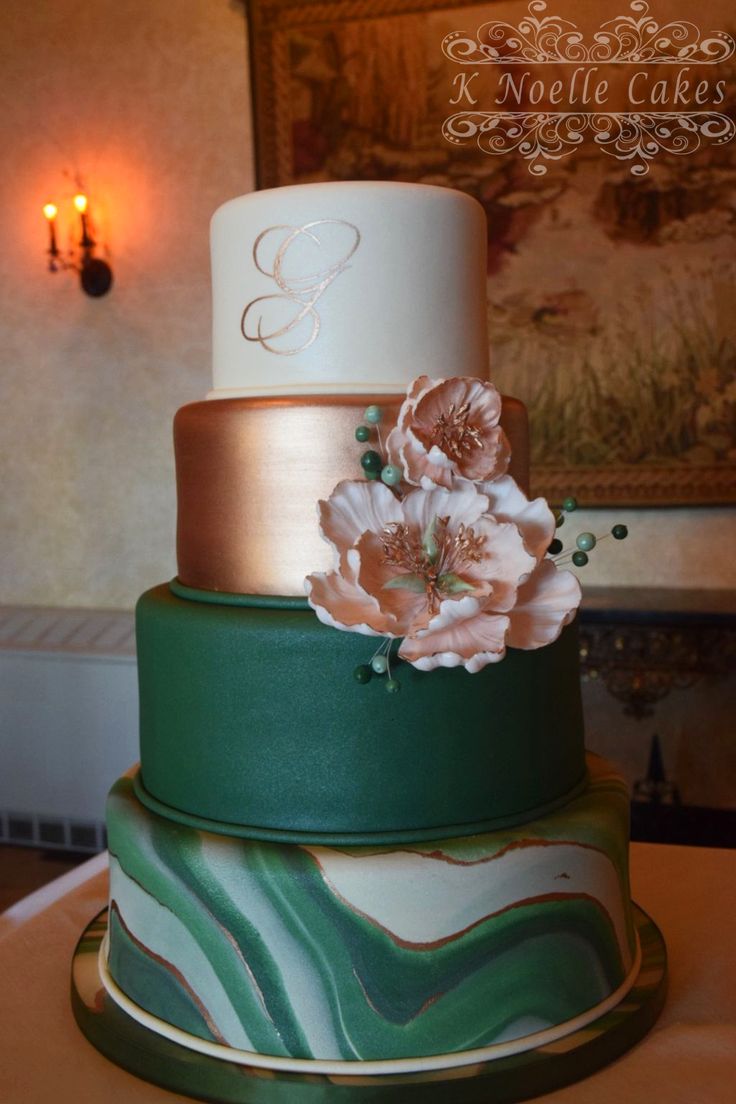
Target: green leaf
pixel 430 547
pixel 453 584
pixel 414 583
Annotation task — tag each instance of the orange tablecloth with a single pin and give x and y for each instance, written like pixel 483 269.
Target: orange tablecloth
pixel 689 1057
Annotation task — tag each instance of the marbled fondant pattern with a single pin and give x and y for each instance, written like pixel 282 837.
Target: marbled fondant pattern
pixel 364 953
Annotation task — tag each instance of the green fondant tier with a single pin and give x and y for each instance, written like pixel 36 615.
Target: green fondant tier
pixel 368 953
pixel 251 716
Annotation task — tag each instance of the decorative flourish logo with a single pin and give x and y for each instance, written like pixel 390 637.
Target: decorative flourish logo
pixel 636 40
pixel 619 40
pixel 301 290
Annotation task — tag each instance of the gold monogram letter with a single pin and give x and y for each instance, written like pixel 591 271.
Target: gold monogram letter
pixel 302 291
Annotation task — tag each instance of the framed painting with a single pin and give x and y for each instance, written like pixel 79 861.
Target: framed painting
pixel 611 270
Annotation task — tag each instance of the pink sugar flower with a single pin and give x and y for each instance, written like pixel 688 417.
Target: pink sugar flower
pixel 458 574
pixel 449 428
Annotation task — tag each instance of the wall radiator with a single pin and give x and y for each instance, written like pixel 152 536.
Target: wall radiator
pixel 68 722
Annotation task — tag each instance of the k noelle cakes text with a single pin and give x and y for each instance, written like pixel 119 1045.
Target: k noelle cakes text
pixel 586 86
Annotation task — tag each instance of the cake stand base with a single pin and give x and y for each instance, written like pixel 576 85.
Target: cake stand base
pixel 502 1081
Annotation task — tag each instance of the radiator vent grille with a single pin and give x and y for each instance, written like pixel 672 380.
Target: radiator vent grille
pixel 68 722
pixel 63 833
pixel 85 632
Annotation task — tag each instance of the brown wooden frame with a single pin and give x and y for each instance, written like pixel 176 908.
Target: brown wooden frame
pixel 269 23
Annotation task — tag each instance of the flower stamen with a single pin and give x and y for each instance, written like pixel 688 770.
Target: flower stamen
pixel 454 434
pixel 432 564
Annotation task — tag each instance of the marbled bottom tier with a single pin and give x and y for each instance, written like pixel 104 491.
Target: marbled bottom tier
pixel 371 953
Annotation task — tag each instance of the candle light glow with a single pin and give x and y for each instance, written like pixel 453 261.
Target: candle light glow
pixel 50 211
pixel 95 274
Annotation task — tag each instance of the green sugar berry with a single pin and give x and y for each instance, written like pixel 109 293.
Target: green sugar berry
pixel 379 664
pixel 555 547
pixel 371 461
pixel 570 504
pixel 362 673
pixel 580 559
pixel 391 475
pixel 373 414
pixel 393 685
pixel 586 542
pixel 362 433
pixel 619 532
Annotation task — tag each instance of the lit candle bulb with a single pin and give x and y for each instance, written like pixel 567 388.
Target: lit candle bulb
pixel 80 202
pixel 50 212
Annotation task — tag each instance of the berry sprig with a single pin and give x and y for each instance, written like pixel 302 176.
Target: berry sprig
pixel 372 462
pixel 380 664
pixel 585 542
pixel 375 467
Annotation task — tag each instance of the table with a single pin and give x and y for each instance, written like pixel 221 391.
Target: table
pixel 688 1058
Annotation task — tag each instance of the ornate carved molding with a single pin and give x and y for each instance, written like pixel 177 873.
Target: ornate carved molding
pixel 640 664
pixel 639 485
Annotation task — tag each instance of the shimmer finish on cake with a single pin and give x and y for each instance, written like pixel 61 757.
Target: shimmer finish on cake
pixel 251 716
pixel 249 473
pixel 306 868
pixel 347 288
pixel 367 953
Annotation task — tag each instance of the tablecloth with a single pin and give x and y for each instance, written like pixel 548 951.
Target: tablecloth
pixel 688 1058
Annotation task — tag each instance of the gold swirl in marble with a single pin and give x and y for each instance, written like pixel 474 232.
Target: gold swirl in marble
pixel 302 291
pixel 250 473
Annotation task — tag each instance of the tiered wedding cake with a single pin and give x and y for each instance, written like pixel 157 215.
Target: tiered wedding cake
pixel 310 874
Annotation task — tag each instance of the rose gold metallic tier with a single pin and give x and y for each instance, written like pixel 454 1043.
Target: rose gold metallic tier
pixel 250 472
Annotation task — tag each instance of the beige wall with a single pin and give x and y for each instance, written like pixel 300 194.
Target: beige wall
pixel 148 100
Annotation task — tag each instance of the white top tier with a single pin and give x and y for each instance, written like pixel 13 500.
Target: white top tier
pixel 347 288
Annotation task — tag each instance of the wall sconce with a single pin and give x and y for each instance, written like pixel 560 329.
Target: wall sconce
pixel 95 275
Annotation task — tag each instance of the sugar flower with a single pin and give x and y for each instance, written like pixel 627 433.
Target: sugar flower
pixel 448 428
pixel 456 574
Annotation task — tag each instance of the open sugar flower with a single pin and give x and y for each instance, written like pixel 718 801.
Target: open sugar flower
pixel 448 428
pixel 457 574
